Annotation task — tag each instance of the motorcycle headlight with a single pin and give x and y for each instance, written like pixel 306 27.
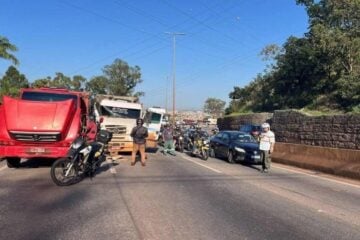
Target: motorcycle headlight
pixel 180 138
pixel 238 149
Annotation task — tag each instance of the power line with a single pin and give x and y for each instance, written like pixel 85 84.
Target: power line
pixel 117 22
pixel 199 21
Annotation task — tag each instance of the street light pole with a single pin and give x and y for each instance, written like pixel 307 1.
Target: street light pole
pixel 174 34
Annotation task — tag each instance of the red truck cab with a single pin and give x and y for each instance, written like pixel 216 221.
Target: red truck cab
pixel 42 123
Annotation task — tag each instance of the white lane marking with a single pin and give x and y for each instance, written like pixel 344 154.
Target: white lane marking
pixel 320 177
pixel 3 168
pixel 287 169
pixel 111 166
pixel 191 160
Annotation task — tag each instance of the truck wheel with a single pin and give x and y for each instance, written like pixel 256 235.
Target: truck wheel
pixel 13 162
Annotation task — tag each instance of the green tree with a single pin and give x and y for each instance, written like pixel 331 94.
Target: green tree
pixel 214 107
pixel 42 82
pixel 61 81
pixel 12 82
pixel 78 82
pixel 5 48
pixel 122 78
pixel 319 70
pixel 98 85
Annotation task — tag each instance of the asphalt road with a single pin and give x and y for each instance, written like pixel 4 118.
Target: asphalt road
pixel 178 198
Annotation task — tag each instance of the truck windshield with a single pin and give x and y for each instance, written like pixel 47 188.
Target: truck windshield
pixel 152 117
pixel 47 97
pixel 118 112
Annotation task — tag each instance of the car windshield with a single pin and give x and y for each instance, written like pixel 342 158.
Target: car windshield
pixel 47 97
pixel 245 138
pixel 118 112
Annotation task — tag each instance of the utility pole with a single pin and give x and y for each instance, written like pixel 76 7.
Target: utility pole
pixel 166 94
pixel 174 34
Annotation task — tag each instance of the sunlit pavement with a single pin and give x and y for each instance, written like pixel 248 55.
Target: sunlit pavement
pixel 178 198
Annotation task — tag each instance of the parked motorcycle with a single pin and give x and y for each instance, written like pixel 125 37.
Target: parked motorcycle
pixel 179 142
pixel 83 159
pixel 201 148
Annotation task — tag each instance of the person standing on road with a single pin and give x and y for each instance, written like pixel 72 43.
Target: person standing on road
pixel 139 135
pixel 168 136
pixel 267 143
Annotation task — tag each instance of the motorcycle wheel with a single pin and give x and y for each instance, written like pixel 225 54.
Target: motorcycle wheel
pixel 59 169
pixel 189 146
pixel 181 148
pixel 204 154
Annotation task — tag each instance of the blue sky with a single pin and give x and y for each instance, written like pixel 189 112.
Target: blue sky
pixel 219 51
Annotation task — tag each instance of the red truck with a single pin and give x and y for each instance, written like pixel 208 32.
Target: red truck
pixel 42 123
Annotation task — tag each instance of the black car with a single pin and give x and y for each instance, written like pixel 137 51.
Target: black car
pixel 235 146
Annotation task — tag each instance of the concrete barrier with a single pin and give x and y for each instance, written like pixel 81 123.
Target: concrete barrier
pixel 342 162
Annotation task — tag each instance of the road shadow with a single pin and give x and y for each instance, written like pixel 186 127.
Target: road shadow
pixel 152 150
pixel 256 166
pixel 37 163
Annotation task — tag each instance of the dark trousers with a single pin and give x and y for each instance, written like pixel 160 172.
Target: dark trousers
pixel 266 159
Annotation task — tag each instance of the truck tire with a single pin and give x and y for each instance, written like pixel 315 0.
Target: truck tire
pixel 13 162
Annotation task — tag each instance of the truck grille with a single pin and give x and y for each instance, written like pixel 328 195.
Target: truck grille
pixel 36 137
pixel 116 129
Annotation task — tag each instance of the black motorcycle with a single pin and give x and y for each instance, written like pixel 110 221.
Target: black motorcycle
pixel 83 159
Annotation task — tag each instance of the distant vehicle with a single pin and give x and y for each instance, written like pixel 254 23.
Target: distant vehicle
pixel 211 121
pixel 43 123
pixel 235 146
pixel 154 119
pixel 254 130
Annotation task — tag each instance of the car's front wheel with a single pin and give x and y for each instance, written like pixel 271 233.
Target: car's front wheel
pixel 230 157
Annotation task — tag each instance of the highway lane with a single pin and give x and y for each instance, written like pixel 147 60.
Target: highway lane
pixel 179 198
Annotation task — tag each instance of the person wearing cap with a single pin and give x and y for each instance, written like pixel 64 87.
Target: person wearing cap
pixel 139 135
pixel 267 143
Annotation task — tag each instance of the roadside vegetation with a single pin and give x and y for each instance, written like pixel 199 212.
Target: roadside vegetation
pixel 214 107
pixel 118 78
pixel 318 73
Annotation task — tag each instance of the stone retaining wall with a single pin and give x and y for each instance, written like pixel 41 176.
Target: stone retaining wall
pixel 234 123
pixel 337 131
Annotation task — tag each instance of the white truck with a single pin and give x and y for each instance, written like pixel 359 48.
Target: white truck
pixel 119 117
pixel 154 118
